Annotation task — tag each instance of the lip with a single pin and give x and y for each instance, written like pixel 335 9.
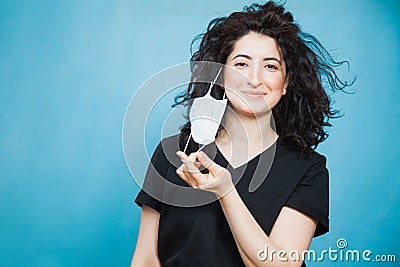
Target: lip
pixel 254 94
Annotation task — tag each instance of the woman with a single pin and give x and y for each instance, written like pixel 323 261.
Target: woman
pixel 280 109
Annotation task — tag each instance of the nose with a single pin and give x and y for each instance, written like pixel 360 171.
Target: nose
pixel 255 77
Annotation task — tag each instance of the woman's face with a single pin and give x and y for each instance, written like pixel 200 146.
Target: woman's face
pixel 255 79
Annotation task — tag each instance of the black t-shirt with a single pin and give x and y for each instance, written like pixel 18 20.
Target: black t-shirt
pixel 200 235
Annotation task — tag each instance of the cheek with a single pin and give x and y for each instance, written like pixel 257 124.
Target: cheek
pixel 276 84
pixel 232 95
pixel 233 79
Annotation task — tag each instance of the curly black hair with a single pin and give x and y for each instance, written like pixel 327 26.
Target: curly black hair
pixel 302 114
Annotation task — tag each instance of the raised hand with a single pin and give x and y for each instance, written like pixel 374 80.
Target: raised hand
pixel 218 180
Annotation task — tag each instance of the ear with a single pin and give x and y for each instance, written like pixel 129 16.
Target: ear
pixel 285 86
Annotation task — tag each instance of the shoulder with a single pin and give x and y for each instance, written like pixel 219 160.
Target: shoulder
pixel 165 152
pixel 172 139
pixel 169 145
pixel 293 155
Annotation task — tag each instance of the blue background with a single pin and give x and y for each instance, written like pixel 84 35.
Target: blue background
pixel 67 72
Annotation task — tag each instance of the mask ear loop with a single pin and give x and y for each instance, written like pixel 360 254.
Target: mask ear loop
pixel 190 158
pixel 187 143
pixel 184 150
pixel 224 96
pixel 212 84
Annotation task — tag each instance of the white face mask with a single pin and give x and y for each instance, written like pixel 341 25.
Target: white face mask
pixel 205 116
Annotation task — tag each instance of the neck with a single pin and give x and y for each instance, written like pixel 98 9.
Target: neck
pixel 255 130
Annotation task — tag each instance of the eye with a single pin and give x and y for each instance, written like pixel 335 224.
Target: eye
pixel 271 67
pixel 240 64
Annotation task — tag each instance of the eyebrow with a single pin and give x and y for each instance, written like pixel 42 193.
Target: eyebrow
pixel 265 59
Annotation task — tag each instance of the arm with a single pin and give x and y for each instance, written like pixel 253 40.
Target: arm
pixel 292 230
pixel 146 254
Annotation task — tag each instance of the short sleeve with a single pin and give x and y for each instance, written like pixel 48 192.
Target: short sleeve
pixel 311 195
pixel 152 190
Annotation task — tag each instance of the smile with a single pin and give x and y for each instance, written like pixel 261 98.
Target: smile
pixel 254 94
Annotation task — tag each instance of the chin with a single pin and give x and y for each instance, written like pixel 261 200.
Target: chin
pixel 251 108
pixel 254 111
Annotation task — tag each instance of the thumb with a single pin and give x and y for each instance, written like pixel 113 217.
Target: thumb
pixel 215 169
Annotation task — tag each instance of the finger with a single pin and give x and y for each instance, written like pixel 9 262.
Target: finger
pixel 190 169
pixel 197 164
pixel 210 165
pixel 193 158
pixel 187 178
pixel 188 162
pixel 182 156
pixel 193 173
pixel 182 175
